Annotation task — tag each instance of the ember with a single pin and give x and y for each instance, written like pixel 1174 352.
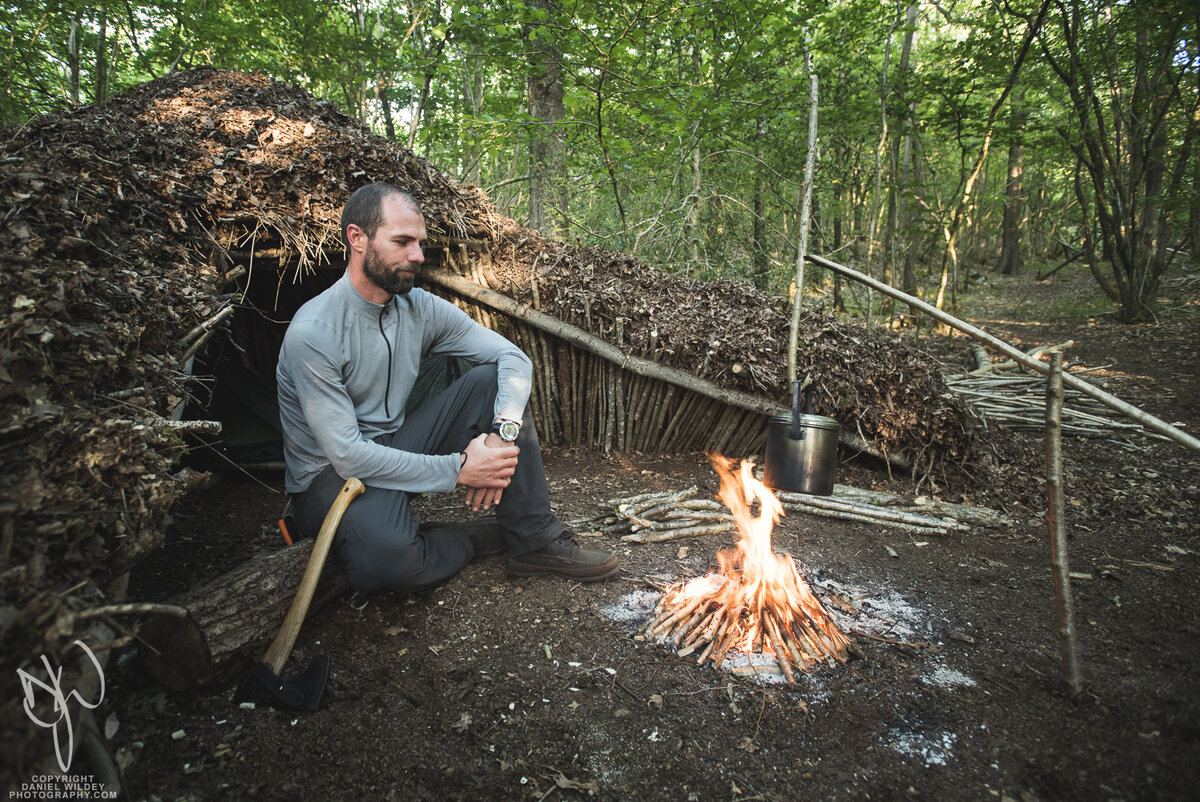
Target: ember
pixel 756 601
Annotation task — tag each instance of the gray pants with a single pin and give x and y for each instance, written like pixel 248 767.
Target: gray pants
pixel 382 544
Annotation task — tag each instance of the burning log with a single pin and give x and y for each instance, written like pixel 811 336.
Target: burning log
pixel 756 602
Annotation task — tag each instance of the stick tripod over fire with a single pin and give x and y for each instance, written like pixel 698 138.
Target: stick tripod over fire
pixel 756 601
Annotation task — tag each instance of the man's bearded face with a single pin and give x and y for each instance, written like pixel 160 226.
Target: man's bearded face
pixel 394 278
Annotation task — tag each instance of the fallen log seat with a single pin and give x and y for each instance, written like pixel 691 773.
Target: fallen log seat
pixel 232 618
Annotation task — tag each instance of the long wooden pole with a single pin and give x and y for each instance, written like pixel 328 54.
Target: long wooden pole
pixel 594 345
pixel 1015 354
pixel 805 218
pixel 1055 507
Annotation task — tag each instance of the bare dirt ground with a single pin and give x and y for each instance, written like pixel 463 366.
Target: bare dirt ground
pixel 492 687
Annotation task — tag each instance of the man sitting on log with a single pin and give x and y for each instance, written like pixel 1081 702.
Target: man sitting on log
pixel 346 368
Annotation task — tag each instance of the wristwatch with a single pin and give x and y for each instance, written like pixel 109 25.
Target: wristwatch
pixel 507 429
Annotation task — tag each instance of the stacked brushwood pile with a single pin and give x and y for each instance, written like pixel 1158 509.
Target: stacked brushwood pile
pixel 132 229
pixel 673 515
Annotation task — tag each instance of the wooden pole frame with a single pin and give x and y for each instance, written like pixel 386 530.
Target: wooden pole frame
pixel 1055 509
pixel 1018 356
pixel 594 345
pixel 645 394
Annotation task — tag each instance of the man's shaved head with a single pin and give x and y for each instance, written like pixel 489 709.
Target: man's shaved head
pixel 365 208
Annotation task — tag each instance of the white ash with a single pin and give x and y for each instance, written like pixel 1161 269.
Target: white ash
pixel 932 750
pixel 634 607
pixel 878 610
pixel 946 677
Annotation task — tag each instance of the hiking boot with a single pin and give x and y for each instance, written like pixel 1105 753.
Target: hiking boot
pixel 563 557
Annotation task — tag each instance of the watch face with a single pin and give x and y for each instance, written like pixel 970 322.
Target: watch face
pixel 509 430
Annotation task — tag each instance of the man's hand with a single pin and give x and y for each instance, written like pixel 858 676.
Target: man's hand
pixel 490 465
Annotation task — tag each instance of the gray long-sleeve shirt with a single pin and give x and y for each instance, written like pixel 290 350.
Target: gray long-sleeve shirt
pixel 337 394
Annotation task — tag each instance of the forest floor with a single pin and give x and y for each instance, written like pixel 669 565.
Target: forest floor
pixel 494 687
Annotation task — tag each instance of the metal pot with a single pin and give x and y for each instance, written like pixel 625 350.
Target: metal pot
pixel 801 448
pixel 804 464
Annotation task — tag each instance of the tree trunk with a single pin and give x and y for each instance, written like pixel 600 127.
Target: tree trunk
pixel 900 163
pixel 805 211
pixel 856 257
pixel 838 305
pixel 906 212
pixel 1194 212
pixel 877 195
pixel 73 47
pixel 419 111
pixel 547 153
pixel 762 265
pixel 1010 237
pixel 385 104
pixel 693 220
pixel 976 216
pixel 950 228
pixel 1119 135
pixel 904 177
pixel 473 103
pixel 423 101
pixel 102 58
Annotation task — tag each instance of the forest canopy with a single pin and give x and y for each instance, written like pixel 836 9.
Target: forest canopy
pixel 952 138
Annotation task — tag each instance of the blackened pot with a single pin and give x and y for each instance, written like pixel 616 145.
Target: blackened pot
pixel 801 465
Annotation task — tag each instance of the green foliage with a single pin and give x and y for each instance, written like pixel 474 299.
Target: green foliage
pixel 685 124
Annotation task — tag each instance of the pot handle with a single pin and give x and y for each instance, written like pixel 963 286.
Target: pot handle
pixel 797 432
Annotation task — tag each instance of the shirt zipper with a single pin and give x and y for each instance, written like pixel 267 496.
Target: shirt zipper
pixel 387 389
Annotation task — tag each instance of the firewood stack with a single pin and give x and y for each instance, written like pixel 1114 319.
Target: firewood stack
pixel 674 515
pixel 1008 394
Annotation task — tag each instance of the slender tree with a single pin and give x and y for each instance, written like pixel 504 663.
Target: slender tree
pixel 1010 239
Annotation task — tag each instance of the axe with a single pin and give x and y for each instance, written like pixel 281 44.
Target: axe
pixel 299 691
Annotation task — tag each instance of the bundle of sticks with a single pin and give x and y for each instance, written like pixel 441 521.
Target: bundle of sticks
pixel 1007 393
pixel 672 515
pixel 717 613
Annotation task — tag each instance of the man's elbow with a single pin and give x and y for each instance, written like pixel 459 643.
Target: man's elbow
pixel 344 462
pixel 521 362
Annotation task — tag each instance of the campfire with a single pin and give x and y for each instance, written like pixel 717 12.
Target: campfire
pixel 756 602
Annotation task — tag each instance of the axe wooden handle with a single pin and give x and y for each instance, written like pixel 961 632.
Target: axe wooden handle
pixel 281 648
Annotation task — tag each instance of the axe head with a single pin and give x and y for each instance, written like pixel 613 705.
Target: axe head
pixel 300 691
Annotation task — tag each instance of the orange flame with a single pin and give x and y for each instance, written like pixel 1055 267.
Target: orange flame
pixel 756 600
